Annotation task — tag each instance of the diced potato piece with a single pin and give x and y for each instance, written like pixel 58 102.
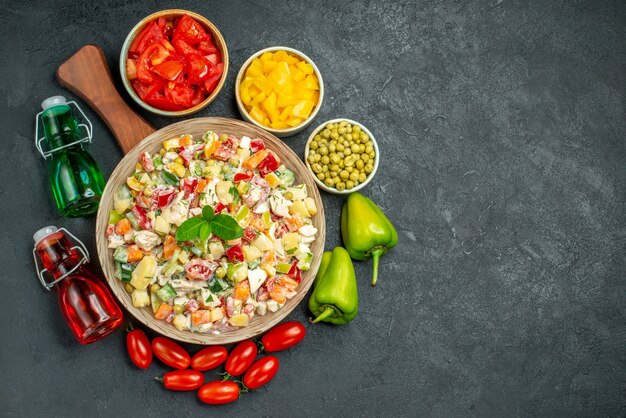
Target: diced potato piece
pixel 239 320
pixel 299 207
pixel 310 205
pixel 222 191
pixel 180 322
pixel 143 274
pixel 140 298
pixel 291 240
pixel 272 179
pixel 251 253
pixel 161 226
pixel 263 243
pixel 216 314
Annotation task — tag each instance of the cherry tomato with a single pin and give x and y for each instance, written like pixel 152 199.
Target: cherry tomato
pixel 241 358
pixel 170 353
pixel 283 336
pixel 182 380
pixel 138 347
pixel 261 372
pixel 209 358
pixel 218 392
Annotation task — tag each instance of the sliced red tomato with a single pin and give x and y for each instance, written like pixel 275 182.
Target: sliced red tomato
pixel 163 103
pixel 211 83
pixel 169 69
pixel 235 253
pixel 197 68
pixel 247 176
pixel 179 94
pixel 148 35
pixel 183 47
pixel 214 58
pixel 190 30
pixel 207 47
pixel 153 55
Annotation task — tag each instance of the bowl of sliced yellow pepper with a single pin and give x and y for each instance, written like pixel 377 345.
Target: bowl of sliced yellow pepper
pixel 279 89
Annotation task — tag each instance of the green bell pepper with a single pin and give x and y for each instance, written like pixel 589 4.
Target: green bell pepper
pixel 366 231
pixel 335 297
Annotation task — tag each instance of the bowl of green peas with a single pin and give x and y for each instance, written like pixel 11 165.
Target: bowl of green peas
pixel 343 156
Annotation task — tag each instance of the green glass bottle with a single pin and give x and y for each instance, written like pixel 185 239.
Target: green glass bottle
pixel 75 177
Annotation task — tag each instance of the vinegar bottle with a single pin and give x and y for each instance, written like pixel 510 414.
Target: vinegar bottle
pixel 86 303
pixel 76 180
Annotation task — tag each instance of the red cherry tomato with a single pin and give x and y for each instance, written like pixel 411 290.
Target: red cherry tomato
pixel 170 353
pixel 209 358
pixel 138 347
pixel 218 392
pixel 261 372
pixel 183 380
pixel 283 336
pixel 241 358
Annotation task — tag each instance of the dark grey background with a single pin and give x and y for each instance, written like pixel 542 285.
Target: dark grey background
pixel 501 125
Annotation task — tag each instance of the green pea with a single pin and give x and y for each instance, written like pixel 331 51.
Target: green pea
pixel 349 129
pixel 223 137
pixel 340 186
pixel 349 184
pixel 334 167
pixel 347 136
pixel 329 182
pixel 362 177
pixel 369 148
pixel 340 147
pixel 313 145
pixel 179 160
pixel 329 126
pixel 324 169
pixel 356 129
pixel 359 165
pixel 321 176
pixel 354 176
pixel 336 179
pixel 341 155
pixel 348 161
pixel 220 272
pixel 372 154
pixel 155 287
pixel 334 135
pixel 341 130
pixel 347 151
pixel 369 168
pixel 365 158
pixel 341 165
pixel 178 309
pixel 325 159
pixel 349 169
pixel 317 158
pixel 344 174
pixel 354 148
pixel 326 133
pixel 356 183
pixel 311 159
pixel 317 137
pixel 334 158
pixel 361 148
pixel 346 143
pixel 332 174
pixel 323 150
pixel 343 124
pixel 317 168
pixel 332 147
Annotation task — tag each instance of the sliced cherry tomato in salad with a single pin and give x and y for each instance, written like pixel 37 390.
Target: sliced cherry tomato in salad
pixel 138 347
pixel 283 336
pixel 183 380
pixel 169 69
pixel 250 234
pixel 189 30
pixel 170 353
pixel 209 358
pixel 219 207
pixel 164 197
pixel 142 217
pixel 219 392
pixel 189 185
pixel 294 272
pixel 241 358
pixel 200 269
pixel 247 176
pixel 261 372
pixel 235 253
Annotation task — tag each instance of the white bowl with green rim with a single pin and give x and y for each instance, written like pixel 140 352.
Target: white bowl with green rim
pixel 281 133
pixel 331 189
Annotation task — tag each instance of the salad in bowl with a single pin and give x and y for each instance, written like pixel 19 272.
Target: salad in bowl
pixel 211 231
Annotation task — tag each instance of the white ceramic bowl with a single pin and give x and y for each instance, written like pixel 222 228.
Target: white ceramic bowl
pixel 320 183
pixel 279 132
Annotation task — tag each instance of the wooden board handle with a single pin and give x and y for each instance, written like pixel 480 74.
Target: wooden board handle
pixel 87 74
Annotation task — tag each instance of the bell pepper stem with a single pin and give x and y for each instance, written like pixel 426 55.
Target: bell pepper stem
pixel 327 312
pixel 375 256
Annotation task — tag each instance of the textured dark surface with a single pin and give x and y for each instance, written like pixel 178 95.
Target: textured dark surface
pixel 501 125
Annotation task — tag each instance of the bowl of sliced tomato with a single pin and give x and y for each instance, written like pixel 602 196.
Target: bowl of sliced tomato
pixel 174 62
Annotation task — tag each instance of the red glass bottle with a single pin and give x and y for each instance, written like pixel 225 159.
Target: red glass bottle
pixel 86 303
